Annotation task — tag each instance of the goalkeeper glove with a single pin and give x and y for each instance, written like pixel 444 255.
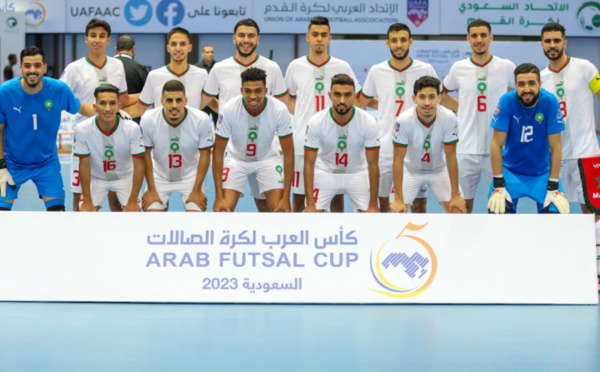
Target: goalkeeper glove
pixel 553 196
pixel 124 115
pixel 5 178
pixel 500 200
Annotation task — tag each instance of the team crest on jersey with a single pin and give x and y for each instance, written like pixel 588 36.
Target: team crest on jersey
pixel 48 104
pixel 396 127
pixel 219 119
pixel 539 117
pixel 497 110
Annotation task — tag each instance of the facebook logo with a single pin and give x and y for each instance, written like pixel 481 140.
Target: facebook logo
pixel 170 12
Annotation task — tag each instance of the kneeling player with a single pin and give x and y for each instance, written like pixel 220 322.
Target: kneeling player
pixel 526 147
pixel 251 122
pixel 425 140
pixel 341 152
pixel 178 140
pixel 106 145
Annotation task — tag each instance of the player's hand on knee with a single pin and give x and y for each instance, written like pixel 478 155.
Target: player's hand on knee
pixel 198 198
pixel 220 205
pixel 398 206
pixel 149 198
pixel 373 209
pixel 310 209
pixel 132 206
pixel 500 199
pixel 87 206
pixel 283 206
pixel 5 179
pixel 457 202
pixel 553 196
pixel 124 115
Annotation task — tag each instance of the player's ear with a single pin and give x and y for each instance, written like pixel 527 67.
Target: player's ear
pixel 491 37
pixel 414 98
pixel 186 101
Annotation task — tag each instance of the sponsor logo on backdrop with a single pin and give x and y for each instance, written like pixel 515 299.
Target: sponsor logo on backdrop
pixel 405 265
pixel 138 12
pixel 588 16
pixel 170 12
pixel 35 14
pixel 417 11
pixel 11 22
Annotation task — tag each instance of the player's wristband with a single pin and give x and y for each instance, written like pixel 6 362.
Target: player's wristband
pixel 2 163
pixel 499 182
pixel 552 185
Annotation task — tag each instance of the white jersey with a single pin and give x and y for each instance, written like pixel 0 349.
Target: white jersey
pixel 341 146
pixel 252 137
pixel 479 90
pixel 310 84
pixel 110 153
pixel 394 89
pixel 426 141
pixel 175 148
pixel 225 80
pixel 83 77
pixel 575 85
pixel 193 79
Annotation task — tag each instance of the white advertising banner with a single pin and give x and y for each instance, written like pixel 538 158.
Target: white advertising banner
pixel 520 17
pixel 12 37
pixel 297 258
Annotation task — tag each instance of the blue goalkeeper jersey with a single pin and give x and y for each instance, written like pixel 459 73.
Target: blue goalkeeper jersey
pixel 31 121
pixel 526 150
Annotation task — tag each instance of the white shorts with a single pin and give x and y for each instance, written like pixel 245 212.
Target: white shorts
pixel 570 178
pixel 100 188
pixel 413 181
pixel 75 181
pixel 355 185
pixel 470 167
pixel 298 180
pixel 386 183
pixel 165 188
pixel 265 174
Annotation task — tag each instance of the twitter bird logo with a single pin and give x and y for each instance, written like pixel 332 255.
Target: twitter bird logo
pixel 138 12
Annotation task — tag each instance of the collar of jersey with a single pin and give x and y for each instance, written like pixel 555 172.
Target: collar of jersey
pixel 562 67
pixel 112 130
pixel 255 59
pixel 484 64
pixel 176 74
pixel 426 125
pixel 87 58
pixel 314 64
pixel 400 70
pixel 347 121
pixel 180 121
pixel 258 113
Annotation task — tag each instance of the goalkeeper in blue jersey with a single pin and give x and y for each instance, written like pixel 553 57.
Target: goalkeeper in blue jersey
pixel 526 147
pixel 30 115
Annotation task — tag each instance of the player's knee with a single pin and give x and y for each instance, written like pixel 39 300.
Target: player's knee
pixel 55 205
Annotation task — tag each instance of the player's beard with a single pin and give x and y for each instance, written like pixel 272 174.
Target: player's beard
pixel 36 84
pixel 342 111
pixel 402 57
pixel 245 55
pixel 531 103
pixel 558 56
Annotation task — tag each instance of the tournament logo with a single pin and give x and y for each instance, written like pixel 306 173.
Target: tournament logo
pixel 11 22
pixel 588 16
pixel 404 266
pixel 35 14
pixel 138 12
pixel 170 12
pixel 417 11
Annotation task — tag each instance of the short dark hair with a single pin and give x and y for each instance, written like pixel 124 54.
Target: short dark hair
pixel 179 30
pixel 12 56
pixel 479 23
pixel 319 21
pixel 173 86
pixel 553 26
pixel 106 88
pixel 207 45
pixel 526 68
pixel 396 27
pixel 247 22
pixel 426 82
pixel 32 51
pixel 342 79
pixel 125 42
pixel 95 22
pixel 254 74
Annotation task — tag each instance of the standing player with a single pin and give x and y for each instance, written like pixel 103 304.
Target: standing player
pixel 84 75
pixel 106 145
pixel 574 82
pixel 30 111
pixel 481 80
pixel 425 140
pixel 341 152
pixel 251 122
pixel 392 82
pixel 178 141
pixel 179 45
pixel 526 147
pixel 224 78
pixel 307 78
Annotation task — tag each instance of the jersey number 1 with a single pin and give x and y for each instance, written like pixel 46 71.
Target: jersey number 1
pixel 34 121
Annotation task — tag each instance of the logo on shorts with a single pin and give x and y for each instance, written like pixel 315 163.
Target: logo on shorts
pixel 405 266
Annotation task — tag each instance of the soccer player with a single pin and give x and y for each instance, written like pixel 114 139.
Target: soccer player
pixel 249 123
pixel 84 75
pixel 481 80
pixel 341 152
pixel 425 140
pixel 30 116
pixel 178 140
pixel 179 45
pixel 526 147
pixel 306 79
pixel 392 82
pixel 106 145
